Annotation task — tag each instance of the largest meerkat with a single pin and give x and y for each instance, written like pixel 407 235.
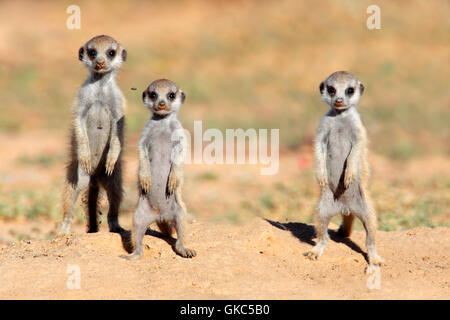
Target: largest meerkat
pixel 342 167
pixel 97 134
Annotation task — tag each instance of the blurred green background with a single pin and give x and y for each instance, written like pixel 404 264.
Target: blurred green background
pixel 242 64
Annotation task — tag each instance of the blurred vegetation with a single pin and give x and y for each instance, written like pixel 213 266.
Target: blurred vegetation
pixel 244 64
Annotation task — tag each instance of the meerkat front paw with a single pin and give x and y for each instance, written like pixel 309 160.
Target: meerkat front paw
pixel 322 179
pixel 145 181
pixel 110 163
pixel 85 161
pixel 174 180
pixel 350 176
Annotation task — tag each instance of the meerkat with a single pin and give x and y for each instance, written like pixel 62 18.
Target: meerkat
pixel 97 135
pixel 161 146
pixel 342 167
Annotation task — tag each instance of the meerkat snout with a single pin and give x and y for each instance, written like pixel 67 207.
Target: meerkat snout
pixel 162 105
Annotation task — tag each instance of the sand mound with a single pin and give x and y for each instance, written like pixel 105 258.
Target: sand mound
pixel 260 259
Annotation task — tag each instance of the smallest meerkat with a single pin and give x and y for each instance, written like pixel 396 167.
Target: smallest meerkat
pixel 342 167
pixel 162 148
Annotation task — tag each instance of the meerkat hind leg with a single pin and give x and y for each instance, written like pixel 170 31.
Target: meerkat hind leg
pixel 322 237
pixel 345 229
pixel 179 245
pixel 142 218
pixel 368 220
pixel 113 187
pixel 93 207
pixel 71 194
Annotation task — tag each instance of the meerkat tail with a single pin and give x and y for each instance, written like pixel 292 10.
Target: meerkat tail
pixel 166 228
pixel 66 198
pixel 345 230
pixel 85 201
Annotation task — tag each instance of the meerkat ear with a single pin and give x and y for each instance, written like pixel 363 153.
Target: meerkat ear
pixel 361 89
pixel 144 94
pixel 80 53
pixel 321 87
pixel 183 97
pixel 124 55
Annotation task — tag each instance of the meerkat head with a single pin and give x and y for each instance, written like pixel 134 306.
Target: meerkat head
pixel 163 97
pixel 102 54
pixel 341 90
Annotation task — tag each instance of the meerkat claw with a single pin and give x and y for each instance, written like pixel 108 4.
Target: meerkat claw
pixel 132 256
pixel 349 178
pixel 109 168
pixel 145 183
pixel 173 182
pixel 186 252
pixel 86 164
pixel 311 255
pixel 323 183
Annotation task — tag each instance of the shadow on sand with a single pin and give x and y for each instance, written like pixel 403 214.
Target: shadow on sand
pixel 128 244
pixel 306 233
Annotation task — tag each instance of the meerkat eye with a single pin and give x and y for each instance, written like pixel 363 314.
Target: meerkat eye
pixel 112 53
pixel 153 95
pixel 92 53
pixel 350 91
pixel 171 96
pixel 331 90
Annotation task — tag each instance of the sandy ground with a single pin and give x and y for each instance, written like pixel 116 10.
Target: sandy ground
pixel 252 259
pixel 261 259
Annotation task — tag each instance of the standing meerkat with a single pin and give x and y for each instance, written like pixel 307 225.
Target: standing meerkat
pixel 342 167
pixel 162 148
pixel 97 134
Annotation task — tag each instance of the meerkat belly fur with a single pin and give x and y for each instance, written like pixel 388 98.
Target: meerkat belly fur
pixel 342 168
pixel 161 154
pixel 97 134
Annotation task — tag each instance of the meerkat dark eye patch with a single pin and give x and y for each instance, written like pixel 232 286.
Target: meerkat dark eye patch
pixel 153 95
pixel 92 53
pixel 321 87
pixel 171 96
pixel 331 90
pixel 350 91
pixel 80 53
pixel 112 53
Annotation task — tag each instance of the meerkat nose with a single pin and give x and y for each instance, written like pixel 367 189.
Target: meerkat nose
pixel 100 63
pixel 339 102
pixel 161 105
